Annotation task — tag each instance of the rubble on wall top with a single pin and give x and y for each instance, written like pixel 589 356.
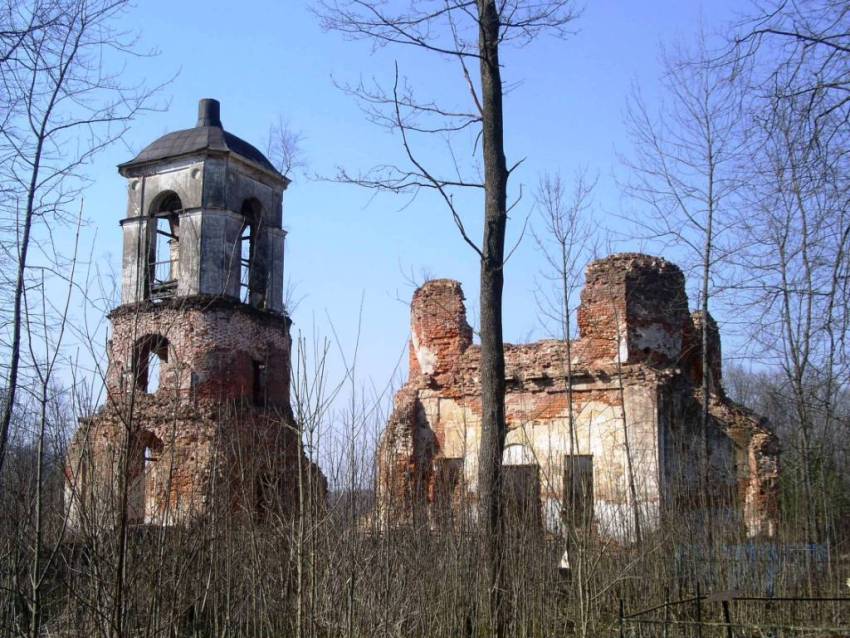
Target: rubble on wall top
pixel 629 261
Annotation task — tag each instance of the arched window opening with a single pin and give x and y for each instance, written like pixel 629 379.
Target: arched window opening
pixel 163 257
pixel 251 288
pixel 149 358
pixel 246 248
pixel 145 453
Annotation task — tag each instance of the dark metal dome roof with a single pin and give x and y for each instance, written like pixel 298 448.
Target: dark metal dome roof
pixel 207 134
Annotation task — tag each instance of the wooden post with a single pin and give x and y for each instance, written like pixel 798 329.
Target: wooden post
pixel 699 611
pixel 622 620
pixel 727 618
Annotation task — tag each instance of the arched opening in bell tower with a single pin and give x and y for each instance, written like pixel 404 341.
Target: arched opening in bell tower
pixel 143 477
pixel 251 281
pixel 164 252
pixel 150 355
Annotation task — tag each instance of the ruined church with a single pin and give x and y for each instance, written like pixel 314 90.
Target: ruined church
pixel 197 413
pixel 606 427
pixel 197 416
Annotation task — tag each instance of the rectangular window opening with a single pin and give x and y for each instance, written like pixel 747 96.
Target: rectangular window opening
pixel 578 490
pixel 260 381
pixel 521 490
pixel 447 496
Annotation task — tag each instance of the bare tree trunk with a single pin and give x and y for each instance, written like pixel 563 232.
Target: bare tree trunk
pixel 630 470
pixel 705 355
pixel 15 354
pixel 442 32
pixel 299 543
pixel 35 582
pixel 492 363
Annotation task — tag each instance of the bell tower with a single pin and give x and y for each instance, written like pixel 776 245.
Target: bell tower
pixel 199 355
pixel 204 213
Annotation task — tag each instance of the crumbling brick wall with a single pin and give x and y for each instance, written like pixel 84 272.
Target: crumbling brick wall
pixel 218 432
pixel 633 307
pixel 635 372
pixel 439 333
pixel 213 344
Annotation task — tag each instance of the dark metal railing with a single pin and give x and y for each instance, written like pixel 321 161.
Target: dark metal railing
pixel 699 617
pixel 163 282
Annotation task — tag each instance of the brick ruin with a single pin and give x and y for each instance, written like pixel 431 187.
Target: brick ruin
pixel 197 415
pixel 634 376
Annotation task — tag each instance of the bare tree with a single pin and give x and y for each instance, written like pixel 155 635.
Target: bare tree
pixel 798 238
pixel 564 236
pixel 798 52
pixel 18 20
pixel 61 97
pixel 463 33
pixel 685 175
pixel 284 147
pixel 794 58
pixel 50 332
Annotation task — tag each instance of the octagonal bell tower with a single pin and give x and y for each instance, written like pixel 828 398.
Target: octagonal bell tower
pixel 199 355
pixel 204 212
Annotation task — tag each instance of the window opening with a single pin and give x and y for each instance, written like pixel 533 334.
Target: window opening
pixel 521 487
pixel 151 353
pixel 152 452
pixel 165 249
pixel 260 382
pixel 246 250
pixel 448 491
pixel 251 281
pixel 578 489
pixel 153 370
pixel 151 456
pixel 145 453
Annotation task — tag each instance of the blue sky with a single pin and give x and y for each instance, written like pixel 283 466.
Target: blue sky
pixel 265 60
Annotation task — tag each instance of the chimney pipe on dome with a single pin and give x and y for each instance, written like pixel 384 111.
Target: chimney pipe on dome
pixel 209 113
